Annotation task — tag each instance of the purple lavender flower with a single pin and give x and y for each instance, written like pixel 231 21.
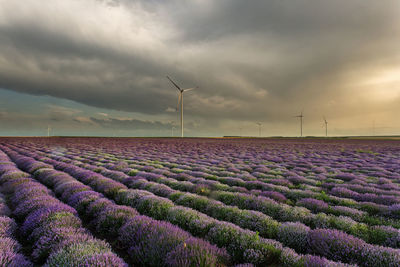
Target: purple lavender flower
pixel 313 204
pixel 385 235
pixel 150 241
pixel 154 206
pixel 110 220
pixel 106 259
pixel 394 211
pixel 26 207
pixel 344 192
pixel 294 235
pixel 197 252
pixel 274 195
pixel 95 207
pixel 9 244
pixel 336 245
pixel 243 245
pixel 52 237
pixel 81 200
pixel 6 168
pixel 7 227
pixel 346 176
pixel 11 259
pixel 47 215
pixel 347 211
pixel 191 220
pixel 84 254
pixel 379 256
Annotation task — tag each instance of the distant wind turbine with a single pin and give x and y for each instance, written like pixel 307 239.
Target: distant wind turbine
pixel 301 122
pixel 172 128
pixel 259 128
pixel 180 99
pixel 48 130
pixel 326 127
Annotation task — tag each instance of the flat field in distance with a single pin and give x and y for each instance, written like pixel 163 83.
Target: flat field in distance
pixel 200 201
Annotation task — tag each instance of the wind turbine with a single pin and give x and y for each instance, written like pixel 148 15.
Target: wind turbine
pixel 180 99
pixel 259 128
pixel 326 127
pixel 301 122
pixel 48 130
pixel 172 128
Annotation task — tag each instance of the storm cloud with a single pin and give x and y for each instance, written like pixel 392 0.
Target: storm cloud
pixel 253 60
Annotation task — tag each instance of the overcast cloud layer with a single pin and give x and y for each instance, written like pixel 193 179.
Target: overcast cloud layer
pixel 254 61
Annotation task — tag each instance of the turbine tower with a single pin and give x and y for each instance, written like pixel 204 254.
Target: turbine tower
pixel 301 122
pixel 180 99
pixel 326 127
pixel 48 130
pixel 259 128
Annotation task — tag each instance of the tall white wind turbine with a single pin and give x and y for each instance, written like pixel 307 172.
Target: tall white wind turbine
pixel 326 127
pixel 48 130
pixel 180 99
pixel 301 122
pixel 259 128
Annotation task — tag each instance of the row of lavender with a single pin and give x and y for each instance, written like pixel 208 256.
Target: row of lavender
pixel 371 198
pixel 253 179
pixel 54 232
pixel 148 242
pixel 382 235
pixel 295 235
pixel 9 247
pixel 243 245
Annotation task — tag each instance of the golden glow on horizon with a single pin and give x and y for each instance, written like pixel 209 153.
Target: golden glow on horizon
pixel 381 86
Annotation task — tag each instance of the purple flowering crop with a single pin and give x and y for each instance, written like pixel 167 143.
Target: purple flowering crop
pixel 242 202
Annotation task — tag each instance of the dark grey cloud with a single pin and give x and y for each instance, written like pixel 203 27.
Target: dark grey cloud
pixel 286 19
pixel 63 120
pixel 253 60
pixel 115 123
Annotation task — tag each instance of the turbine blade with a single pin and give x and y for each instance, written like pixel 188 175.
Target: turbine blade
pixel 189 89
pixel 174 83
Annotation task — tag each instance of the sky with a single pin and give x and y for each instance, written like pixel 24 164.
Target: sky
pixel 98 67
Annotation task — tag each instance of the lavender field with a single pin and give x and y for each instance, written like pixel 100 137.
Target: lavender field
pixel 199 202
